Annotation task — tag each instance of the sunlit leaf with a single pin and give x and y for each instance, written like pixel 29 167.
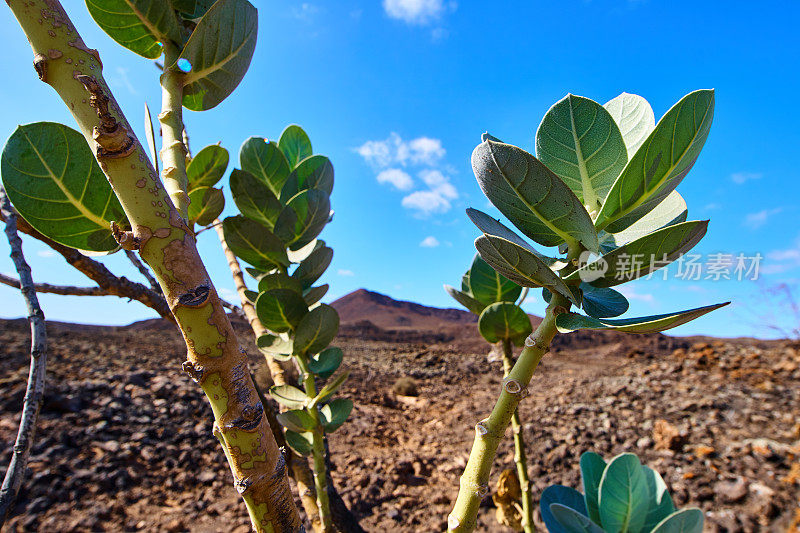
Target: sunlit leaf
pixel 138 25
pixel 265 161
pixel 647 324
pixel 635 119
pixel 254 243
pixel 207 166
pixel 295 145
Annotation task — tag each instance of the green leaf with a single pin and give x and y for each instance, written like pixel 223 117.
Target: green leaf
pixel 280 309
pixel 573 521
pixel 635 119
pixel 277 346
pixel 504 320
pixel 330 389
pixel 642 256
pixel 489 286
pixel 205 205
pixel 568 322
pixel 559 494
pixel 192 9
pixel 295 145
pixel 623 495
pixel 592 467
pixel 254 199
pixel 138 25
pixel 603 302
pixel 473 305
pixel 317 329
pixel 491 226
pixel 219 50
pixel 302 443
pixel 669 212
pixel 279 280
pixel 579 141
pixel 251 296
pixel 661 162
pixel 312 267
pixel 300 255
pixel 315 172
pixel 303 218
pixel 533 198
pixel 207 167
pixel 54 181
pixel 254 243
pixel 291 397
pixel 520 264
pixel 255 273
pixel 683 521
pixel 661 505
pixel 313 295
pixel 325 363
pixel 335 414
pixel 265 161
pixel 296 420
pixel 150 134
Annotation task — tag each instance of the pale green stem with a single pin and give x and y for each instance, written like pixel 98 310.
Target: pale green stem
pixel 318 448
pixel 519 450
pixel 474 483
pixel 173 151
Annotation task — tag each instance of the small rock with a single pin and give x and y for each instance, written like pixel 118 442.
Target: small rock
pixel 731 491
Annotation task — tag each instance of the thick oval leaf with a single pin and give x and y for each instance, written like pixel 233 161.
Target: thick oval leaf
pixel 520 265
pixel 491 226
pixel 635 119
pixel 317 329
pixel 279 280
pixel 300 255
pixel 330 388
pixel 54 181
pixel 295 145
pixel 138 25
pixel 647 324
pixel 592 467
pixel 280 309
pixel 219 50
pixel 291 397
pixel 313 266
pixel 254 199
pixel 265 161
pixel 603 302
pixel 559 494
pixel 254 243
pixel 192 9
pixel 302 443
pixel 205 205
pixel 325 363
pixel 623 495
pixel 580 141
pixel 504 320
pixel 315 172
pixel 335 413
pixel 683 521
pixel 573 521
pixel 207 167
pixel 669 212
pixel 313 295
pixel 661 162
pixel 661 505
pixel 278 346
pixel 533 198
pixel 296 420
pixel 642 256
pixel 473 305
pixel 251 296
pixel 489 286
pixel 303 218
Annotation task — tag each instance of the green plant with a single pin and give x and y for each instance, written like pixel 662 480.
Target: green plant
pixel 622 496
pixel 601 190
pixel 492 297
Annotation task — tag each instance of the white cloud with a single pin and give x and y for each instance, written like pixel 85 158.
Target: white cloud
pixel 713 206
pixel 418 12
pixel 756 220
pixel 631 293
pixel 778 261
pixel 344 272
pixel 397 178
pixel 426 151
pixel 305 11
pixel 228 293
pixel 46 253
pixel 395 151
pixel 426 202
pixel 429 242
pixel 742 177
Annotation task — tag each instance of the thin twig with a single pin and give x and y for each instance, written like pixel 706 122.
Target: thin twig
pixel 65 290
pixel 34 393
pixel 212 225
pixel 233 309
pixel 143 270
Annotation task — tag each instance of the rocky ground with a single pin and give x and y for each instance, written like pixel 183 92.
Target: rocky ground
pixel 125 441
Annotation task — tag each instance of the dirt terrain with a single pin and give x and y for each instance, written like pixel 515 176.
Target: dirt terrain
pixel 125 444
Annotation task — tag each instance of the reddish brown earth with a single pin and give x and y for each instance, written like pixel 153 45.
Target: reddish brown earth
pixel 125 442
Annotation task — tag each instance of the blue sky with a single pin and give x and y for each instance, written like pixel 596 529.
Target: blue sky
pixel 397 94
